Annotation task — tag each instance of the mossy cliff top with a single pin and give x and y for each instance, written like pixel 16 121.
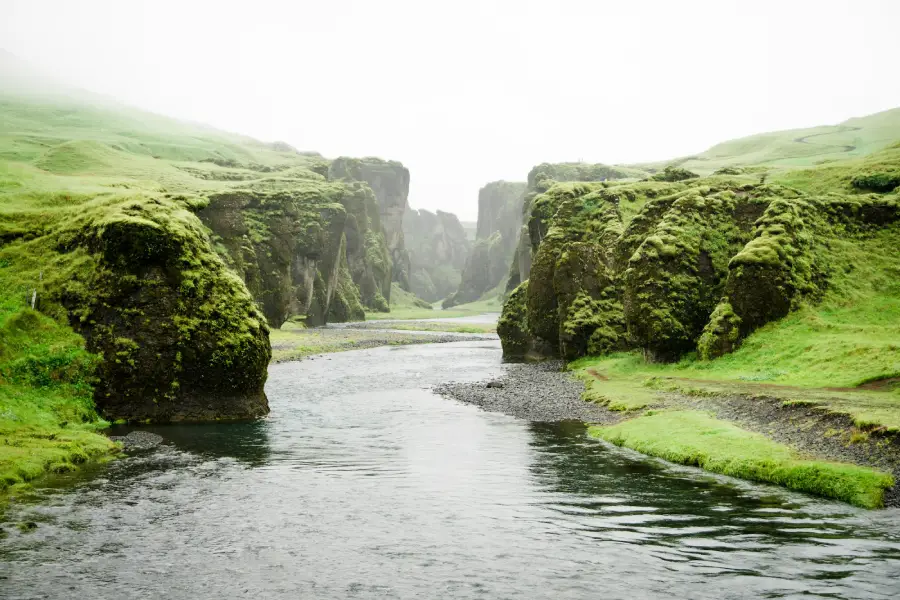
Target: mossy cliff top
pixel 677 264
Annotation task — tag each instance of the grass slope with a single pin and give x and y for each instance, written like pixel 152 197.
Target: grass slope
pixel 47 417
pixel 694 438
pixel 793 148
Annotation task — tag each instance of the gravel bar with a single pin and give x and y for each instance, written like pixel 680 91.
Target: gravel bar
pixel 536 392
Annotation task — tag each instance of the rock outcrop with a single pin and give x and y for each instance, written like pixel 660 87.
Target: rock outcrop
pixel 177 335
pixel 438 249
pixel 389 181
pixel 674 264
pixel 540 179
pixel 499 222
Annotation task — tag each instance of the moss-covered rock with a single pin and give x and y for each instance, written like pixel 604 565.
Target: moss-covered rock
pixel 669 267
pixel 285 245
pixel 180 338
pixel 368 257
pixel 775 268
pixel 513 326
pixel 677 274
pixel 541 179
pixel 389 181
pixel 722 333
pixel 672 174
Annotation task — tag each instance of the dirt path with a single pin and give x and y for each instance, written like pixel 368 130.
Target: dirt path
pixel 832 148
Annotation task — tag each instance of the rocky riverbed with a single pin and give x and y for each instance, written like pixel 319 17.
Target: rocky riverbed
pixel 535 392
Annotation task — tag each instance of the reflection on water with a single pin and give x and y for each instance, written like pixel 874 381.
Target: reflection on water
pixel 363 484
pixel 247 442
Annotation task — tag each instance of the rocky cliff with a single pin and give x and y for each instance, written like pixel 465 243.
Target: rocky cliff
pixel 287 246
pixel 540 179
pixel 177 335
pixel 389 180
pixel 497 230
pixel 675 264
pixel 438 249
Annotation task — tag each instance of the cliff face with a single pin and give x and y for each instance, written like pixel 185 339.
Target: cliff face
pixel 674 265
pixel 497 230
pixel 389 181
pixel 177 336
pixel 286 246
pixel 540 179
pixel 438 249
pixel 368 256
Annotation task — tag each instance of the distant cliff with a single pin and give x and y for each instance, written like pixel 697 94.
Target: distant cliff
pixel 389 180
pixel 499 221
pixel 438 249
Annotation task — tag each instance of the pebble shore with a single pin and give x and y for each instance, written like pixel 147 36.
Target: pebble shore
pixel 536 392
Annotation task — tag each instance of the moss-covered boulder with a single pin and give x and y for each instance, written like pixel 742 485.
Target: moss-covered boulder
pixel 178 335
pixel 676 276
pixel 512 326
pixel 722 333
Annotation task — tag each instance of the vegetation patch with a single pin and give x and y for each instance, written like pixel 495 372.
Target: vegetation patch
pixel 697 439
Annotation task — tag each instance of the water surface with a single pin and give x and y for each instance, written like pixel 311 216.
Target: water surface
pixel 364 484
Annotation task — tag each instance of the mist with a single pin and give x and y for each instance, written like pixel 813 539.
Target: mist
pixel 472 92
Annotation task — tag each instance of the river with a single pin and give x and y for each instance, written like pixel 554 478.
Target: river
pixel 364 484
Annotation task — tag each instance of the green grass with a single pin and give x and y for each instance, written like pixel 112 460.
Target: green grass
pixel 447 326
pixel 851 337
pixel 405 312
pixel 47 417
pixel 780 150
pixel 697 439
pixel 296 344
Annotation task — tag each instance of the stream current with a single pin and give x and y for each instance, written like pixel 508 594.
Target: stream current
pixel 364 484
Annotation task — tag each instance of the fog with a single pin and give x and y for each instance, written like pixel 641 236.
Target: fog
pixel 471 91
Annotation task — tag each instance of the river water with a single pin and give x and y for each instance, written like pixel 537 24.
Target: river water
pixel 364 484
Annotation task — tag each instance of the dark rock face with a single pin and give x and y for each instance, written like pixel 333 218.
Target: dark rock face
pixel 499 222
pixel 438 249
pixel 368 257
pixel 179 336
pixel 288 247
pixel 698 265
pixel 389 181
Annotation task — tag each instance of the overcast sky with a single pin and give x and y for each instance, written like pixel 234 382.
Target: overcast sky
pixel 467 92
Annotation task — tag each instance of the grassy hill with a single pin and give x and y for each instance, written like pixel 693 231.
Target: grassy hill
pixel 97 221
pixel 793 148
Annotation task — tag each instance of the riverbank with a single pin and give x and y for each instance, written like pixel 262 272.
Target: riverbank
pixel 780 436
pixel 297 344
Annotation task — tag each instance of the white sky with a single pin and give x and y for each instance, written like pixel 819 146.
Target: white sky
pixel 467 92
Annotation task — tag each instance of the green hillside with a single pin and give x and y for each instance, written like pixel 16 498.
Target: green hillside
pixel 154 252
pixel 793 148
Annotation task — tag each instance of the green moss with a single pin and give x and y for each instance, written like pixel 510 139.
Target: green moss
pixel 512 326
pixel 696 439
pixel 672 174
pixel 721 334
pixel 676 276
